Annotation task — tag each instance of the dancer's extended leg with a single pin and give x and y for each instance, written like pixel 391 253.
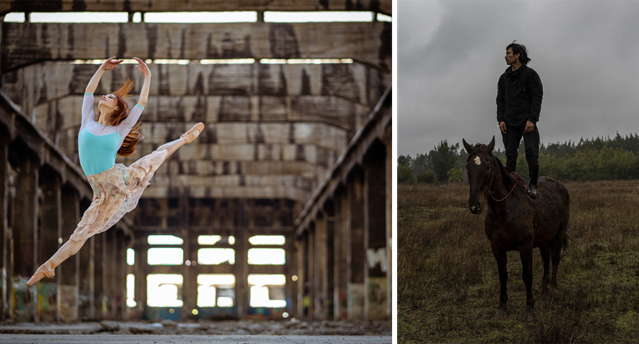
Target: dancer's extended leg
pixel 67 250
pixel 187 137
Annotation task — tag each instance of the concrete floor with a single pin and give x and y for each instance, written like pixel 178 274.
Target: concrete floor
pixel 178 339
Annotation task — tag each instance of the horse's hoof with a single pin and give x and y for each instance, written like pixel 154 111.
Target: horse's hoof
pixel 528 317
pixel 500 313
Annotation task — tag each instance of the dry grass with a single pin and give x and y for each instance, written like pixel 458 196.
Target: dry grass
pixel 448 285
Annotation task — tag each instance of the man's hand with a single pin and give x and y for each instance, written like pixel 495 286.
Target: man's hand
pixel 502 127
pixel 529 126
pixel 142 67
pixel 111 64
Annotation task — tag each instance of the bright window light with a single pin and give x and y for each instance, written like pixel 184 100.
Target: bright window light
pixel 137 17
pixel 163 290
pixel 14 17
pixel 317 16
pixel 215 256
pixel 208 239
pixel 130 290
pixel 164 240
pixel 232 240
pixel 207 287
pixel 266 256
pixel 267 240
pixel 262 280
pixel 227 61
pixel 225 301
pixel 384 17
pixel 79 17
pixel 306 61
pixel 165 256
pixel 130 256
pixel 167 61
pixel 259 291
pixel 201 17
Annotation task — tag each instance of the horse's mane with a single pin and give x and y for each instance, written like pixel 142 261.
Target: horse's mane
pixel 505 176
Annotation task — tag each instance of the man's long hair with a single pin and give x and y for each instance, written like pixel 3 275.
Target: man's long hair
pixel 119 115
pixel 521 50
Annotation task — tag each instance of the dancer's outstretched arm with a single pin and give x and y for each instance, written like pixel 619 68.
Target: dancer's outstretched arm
pixel 109 64
pixel 144 69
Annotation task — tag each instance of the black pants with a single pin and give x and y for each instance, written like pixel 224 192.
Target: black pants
pixel 512 137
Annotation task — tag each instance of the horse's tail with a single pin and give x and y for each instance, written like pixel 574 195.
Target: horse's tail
pixel 564 244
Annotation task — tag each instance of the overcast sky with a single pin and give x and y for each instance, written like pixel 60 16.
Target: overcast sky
pixel 450 55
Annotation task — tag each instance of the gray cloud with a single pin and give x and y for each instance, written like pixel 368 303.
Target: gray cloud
pixel 450 55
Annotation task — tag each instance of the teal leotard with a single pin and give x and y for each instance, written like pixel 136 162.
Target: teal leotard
pixel 98 144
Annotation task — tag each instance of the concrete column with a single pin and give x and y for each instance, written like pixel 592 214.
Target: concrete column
pixel 240 269
pixel 319 280
pixel 375 300
pixel 5 234
pixel 388 141
pixel 140 268
pixel 329 286
pixel 121 271
pixel 24 236
pixel 300 254
pixel 291 270
pixel 189 288
pixel 99 275
pixel 69 272
pixel 48 242
pixel 311 279
pixel 340 268
pixel 356 251
pixel 85 277
pixel 110 264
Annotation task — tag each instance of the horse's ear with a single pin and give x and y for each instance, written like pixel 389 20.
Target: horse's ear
pixel 468 147
pixel 491 145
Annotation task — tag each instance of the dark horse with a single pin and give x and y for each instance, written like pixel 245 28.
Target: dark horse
pixel 517 222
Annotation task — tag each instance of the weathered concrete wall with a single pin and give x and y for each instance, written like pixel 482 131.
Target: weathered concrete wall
pixel 383 6
pixel 26 43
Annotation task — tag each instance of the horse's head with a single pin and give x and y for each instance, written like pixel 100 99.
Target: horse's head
pixel 480 172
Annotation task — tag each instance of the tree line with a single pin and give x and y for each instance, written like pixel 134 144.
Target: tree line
pixel 589 159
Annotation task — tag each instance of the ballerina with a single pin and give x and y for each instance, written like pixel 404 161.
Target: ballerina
pixel 116 188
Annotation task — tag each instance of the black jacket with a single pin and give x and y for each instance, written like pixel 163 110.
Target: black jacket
pixel 519 95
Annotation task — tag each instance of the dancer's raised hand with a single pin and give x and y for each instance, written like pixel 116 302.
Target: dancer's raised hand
pixel 142 67
pixel 111 64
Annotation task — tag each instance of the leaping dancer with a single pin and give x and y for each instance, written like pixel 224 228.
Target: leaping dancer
pixel 116 188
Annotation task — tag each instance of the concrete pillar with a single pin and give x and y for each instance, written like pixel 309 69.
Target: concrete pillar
pixel 86 271
pixel 140 268
pixel 5 234
pixel 25 237
pixel 300 254
pixel 69 272
pixel 356 251
pixel 340 267
pixel 110 264
pixel 121 271
pixel 50 230
pixel 319 280
pixel 375 300
pixel 291 270
pixel 189 288
pixel 240 269
pixel 311 277
pixel 99 275
pixel 388 141
pixel 329 285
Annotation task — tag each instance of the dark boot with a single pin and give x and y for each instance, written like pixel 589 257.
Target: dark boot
pixel 532 186
pixel 511 169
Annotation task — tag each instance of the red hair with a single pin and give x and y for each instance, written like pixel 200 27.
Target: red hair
pixel 119 115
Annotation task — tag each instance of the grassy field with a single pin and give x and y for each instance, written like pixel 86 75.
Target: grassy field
pixel 448 285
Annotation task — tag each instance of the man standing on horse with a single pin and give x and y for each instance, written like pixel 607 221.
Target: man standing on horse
pixel 519 94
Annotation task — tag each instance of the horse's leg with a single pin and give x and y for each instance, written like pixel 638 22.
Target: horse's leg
pixel 556 256
pixel 527 275
pixel 502 262
pixel 545 256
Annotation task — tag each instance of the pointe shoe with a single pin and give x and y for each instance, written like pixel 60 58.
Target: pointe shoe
pixel 45 270
pixel 193 133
